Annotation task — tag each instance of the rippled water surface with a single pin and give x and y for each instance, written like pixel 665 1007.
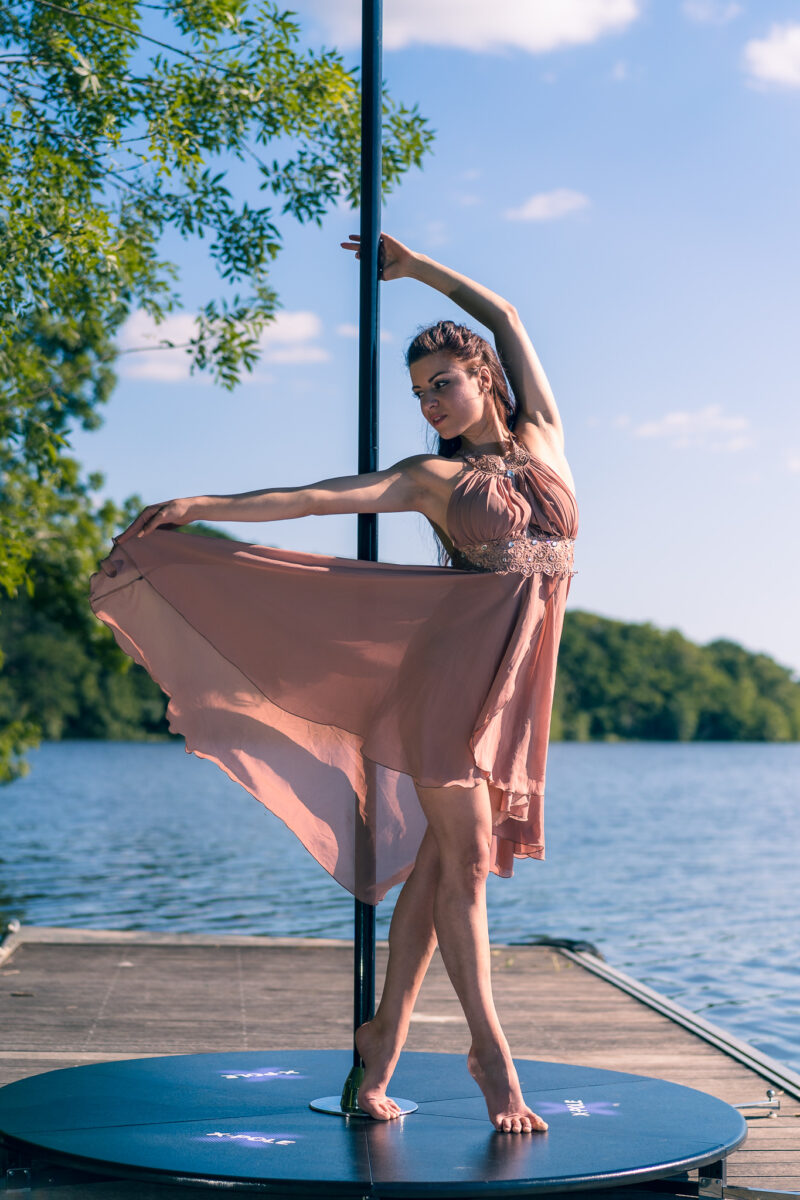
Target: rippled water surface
pixel 679 862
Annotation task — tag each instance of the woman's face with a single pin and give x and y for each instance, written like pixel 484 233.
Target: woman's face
pixel 452 400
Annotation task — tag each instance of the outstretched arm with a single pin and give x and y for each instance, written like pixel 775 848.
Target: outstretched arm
pixel 520 361
pixel 401 488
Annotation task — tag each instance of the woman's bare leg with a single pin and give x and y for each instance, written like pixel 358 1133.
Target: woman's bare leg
pixel 412 941
pixel 461 821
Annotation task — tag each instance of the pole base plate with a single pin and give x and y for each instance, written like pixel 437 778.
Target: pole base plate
pixel 333 1105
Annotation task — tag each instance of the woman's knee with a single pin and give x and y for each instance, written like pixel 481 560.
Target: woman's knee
pixel 466 866
pixel 460 823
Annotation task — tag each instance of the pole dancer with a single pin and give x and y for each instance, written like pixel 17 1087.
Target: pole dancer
pixel 425 692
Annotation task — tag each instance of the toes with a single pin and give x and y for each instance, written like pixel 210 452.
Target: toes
pixel 526 1123
pixel 380 1110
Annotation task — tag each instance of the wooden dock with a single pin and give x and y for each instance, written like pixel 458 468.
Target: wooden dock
pixel 70 996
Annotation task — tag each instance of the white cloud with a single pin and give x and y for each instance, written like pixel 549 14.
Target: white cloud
pixel 793 461
pixel 289 339
pixel 775 58
pixel 536 27
pixel 435 233
pixel 548 206
pixel 707 427
pixel 296 354
pixel 140 337
pixel 619 72
pixel 351 331
pixel 711 12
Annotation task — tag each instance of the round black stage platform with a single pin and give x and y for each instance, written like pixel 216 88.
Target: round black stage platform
pixel 244 1118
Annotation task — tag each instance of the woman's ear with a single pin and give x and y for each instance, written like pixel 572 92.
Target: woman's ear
pixel 485 380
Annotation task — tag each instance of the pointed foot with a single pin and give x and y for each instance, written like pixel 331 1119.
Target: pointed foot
pixel 380 1053
pixel 496 1076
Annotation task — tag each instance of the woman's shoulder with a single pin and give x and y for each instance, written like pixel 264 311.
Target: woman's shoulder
pixel 432 478
pixel 430 467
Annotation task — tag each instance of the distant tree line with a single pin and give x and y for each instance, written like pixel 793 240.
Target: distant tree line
pixel 65 675
pixel 618 680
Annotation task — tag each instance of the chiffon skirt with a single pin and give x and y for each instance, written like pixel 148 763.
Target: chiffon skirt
pixel 328 687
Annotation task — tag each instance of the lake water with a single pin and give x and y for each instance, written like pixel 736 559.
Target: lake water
pixel 678 861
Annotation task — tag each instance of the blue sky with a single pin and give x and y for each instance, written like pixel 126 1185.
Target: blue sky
pixel 627 172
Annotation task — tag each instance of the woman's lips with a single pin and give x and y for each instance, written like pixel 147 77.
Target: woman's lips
pixel 438 420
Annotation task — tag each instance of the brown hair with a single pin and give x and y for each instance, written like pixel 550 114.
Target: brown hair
pixel 475 352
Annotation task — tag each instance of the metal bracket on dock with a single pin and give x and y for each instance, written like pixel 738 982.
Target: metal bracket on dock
pixel 18 1179
pixel 770 1103
pixel 711 1181
pixel 746 1193
pixel 687 1191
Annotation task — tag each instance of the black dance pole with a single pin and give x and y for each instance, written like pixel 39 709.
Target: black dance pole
pixel 368 344
pixel 368 362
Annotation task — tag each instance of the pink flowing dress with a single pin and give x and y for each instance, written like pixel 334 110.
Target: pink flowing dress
pixel 327 686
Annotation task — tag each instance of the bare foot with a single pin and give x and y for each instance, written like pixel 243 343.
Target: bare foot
pixel 380 1054
pixel 494 1072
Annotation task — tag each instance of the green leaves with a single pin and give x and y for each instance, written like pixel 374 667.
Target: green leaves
pixel 107 140
pixel 116 120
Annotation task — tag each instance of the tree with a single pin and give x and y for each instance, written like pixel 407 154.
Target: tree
pixel 110 136
pixel 618 680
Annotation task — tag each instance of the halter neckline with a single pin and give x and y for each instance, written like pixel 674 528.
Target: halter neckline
pixel 513 459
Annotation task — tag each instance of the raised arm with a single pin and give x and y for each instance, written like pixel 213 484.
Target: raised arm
pixel 530 385
pixel 537 405
pixel 409 485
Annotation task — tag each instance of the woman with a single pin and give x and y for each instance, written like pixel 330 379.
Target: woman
pixel 394 717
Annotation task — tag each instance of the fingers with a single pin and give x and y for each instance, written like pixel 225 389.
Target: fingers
pixel 132 530
pixel 153 520
pixel 148 520
pixel 355 244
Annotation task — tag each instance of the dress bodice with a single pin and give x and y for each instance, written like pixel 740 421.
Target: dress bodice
pixel 512 513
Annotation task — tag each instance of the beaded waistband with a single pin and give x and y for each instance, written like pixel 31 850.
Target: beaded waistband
pixel 528 554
